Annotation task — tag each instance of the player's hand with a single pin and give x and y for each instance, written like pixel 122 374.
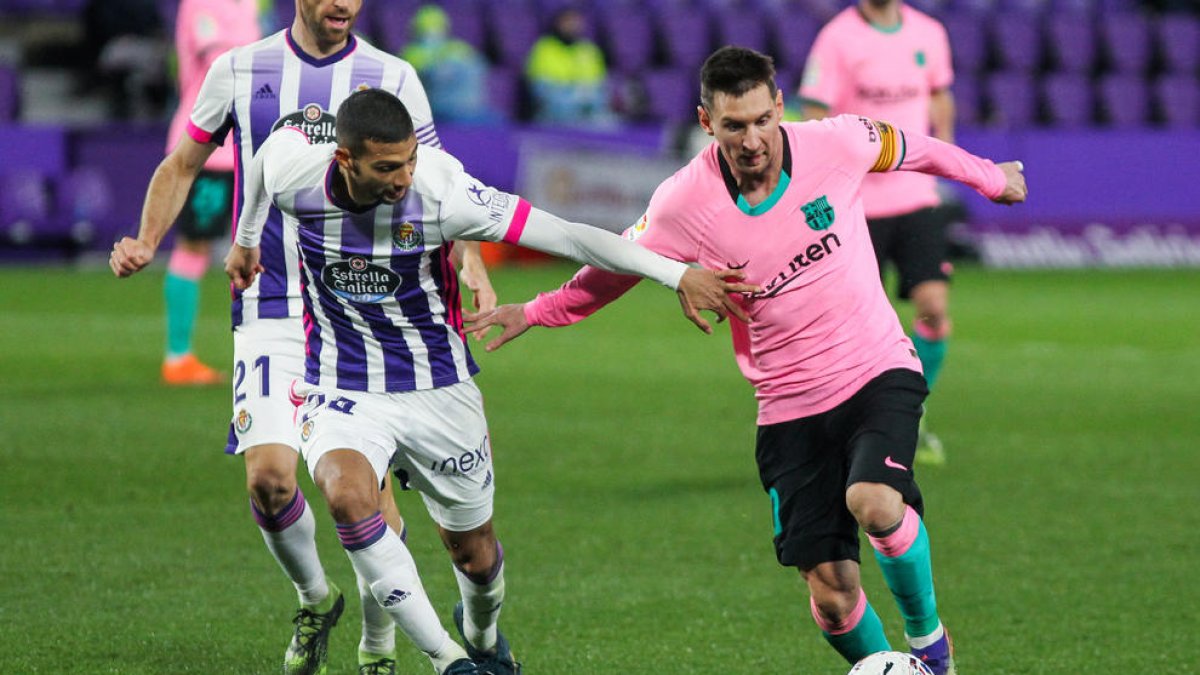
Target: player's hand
pixel 130 256
pixel 510 318
pixel 242 266
pixel 474 276
pixel 1015 190
pixel 702 289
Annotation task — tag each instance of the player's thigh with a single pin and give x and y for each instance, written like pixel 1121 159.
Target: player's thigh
pixel 208 211
pixel 920 249
pixel 445 453
pixel 336 419
pixel 803 471
pixel 268 360
pixel 883 418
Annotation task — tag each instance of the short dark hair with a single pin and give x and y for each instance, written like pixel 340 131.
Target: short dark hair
pixel 371 114
pixel 735 71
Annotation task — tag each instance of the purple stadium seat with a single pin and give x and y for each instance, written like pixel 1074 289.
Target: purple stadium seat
pixel 467 23
pixel 514 30
pixel 1179 42
pixel 24 205
pixel 1017 39
pixel 10 94
pixel 968 41
pixel 967 109
pixel 792 34
pixel 686 36
pixel 1072 40
pixel 85 203
pixel 672 94
pixel 628 36
pixel 504 91
pixel 391 23
pixel 1068 100
pixel 736 26
pixel 1125 99
pixel 1179 100
pixel 1013 100
pixel 1126 39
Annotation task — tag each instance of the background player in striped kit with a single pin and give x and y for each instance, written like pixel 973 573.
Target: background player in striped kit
pixel 295 77
pixel 204 29
pixel 837 381
pixel 388 361
pixel 888 61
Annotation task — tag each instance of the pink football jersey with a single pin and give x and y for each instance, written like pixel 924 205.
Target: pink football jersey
pixel 888 75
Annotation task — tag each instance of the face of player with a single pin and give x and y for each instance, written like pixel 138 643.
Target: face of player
pixel 328 21
pixel 747 129
pixel 382 172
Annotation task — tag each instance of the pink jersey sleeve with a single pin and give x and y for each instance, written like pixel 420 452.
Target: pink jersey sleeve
pixel 929 155
pixel 824 73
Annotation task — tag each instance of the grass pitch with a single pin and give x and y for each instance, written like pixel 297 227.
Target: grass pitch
pixel 637 536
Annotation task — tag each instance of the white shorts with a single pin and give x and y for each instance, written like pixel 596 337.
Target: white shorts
pixel 434 440
pixel 268 361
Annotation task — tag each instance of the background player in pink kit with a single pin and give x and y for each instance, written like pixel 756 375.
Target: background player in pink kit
pixel 204 29
pixel 888 61
pixel 839 385
pixel 295 77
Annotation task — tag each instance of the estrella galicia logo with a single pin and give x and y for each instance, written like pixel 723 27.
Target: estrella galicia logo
pixel 818 214
pixel 359 280
pixel 315 122
pixel 406 237
pixel 479 194
pixel 396 597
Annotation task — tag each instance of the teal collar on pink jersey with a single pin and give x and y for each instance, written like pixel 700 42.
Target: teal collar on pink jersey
pixel 739 199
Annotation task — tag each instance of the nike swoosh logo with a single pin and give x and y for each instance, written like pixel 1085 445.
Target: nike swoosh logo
pixel 887 461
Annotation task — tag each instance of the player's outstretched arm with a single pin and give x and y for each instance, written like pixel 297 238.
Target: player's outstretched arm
pixel 510 318
pixel 169 188
pixel 1003 183
pixel 468 258
pixel 1015 190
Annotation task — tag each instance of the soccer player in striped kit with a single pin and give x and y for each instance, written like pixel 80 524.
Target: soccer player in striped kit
pixel 838 383
pixel 388 369
pixel 295 78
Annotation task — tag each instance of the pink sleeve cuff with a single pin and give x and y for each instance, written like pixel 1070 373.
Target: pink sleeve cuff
pixel 199 135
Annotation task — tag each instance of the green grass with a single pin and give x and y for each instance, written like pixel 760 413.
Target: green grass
pixel 638 539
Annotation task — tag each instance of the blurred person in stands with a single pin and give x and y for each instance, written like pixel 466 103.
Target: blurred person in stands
pixel 885 60
pixel 567 76
pixel 204 29
pixel 125 47
pixel 454 74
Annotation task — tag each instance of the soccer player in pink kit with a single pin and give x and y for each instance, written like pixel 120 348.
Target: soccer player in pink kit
pixel 838 383
pixel 888 61
pixel 204 29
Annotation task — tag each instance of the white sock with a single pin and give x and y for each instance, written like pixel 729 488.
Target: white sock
pixel 924 641
pixel 378 629
pixel 481 606
pixel 290 535
pixel 391 573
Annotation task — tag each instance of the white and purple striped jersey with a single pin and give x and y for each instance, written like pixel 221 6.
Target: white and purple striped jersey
pixel 272 83
pixel 382 311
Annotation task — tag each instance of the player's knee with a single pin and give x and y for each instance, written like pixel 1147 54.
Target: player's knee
pixel 876 507
pixel 348 503
pixel 475 555
pixel 831 605
pixel 270 486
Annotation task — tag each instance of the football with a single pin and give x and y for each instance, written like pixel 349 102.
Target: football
pixel 890 663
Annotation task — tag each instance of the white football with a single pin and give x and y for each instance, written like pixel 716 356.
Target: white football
pixel 890 663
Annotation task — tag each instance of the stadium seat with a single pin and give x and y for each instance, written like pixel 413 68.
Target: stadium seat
pixel 1017 41
pixel 736 26
pixel 628 37
pixel 1179 42
pixel 85 205
pixel 10 94
pixel 671 95
pixel 967 109
pixel 791 35
pixel 1072 41
pixel 467 24
pixel 968 41
pixel 1178 101
pixel 685 36
pixel 1125 99
pixel 1012 100
pixel 391 24
pixel 24 206
pixel 504 91
pixel 1068 100
pixel 514 29
pixel 1126 40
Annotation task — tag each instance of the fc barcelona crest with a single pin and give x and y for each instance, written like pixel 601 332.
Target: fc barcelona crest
pixel 818 213
pixel 406 237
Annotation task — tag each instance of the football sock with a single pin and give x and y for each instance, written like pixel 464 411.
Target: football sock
pixel 904 557
pixel 859 634
pixel 181 292
pixel 482 599
pixel 931 350
pixel 384 563
pixel 290 535
pixel 378 629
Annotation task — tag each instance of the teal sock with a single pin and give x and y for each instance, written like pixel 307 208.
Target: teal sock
pixel 864 639
pixel 910 578
pixel 931 353
pixel 183 302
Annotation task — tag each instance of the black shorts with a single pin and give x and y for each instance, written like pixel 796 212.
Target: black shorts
pixel 806 466
pixel 915 243
pixel 208 211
